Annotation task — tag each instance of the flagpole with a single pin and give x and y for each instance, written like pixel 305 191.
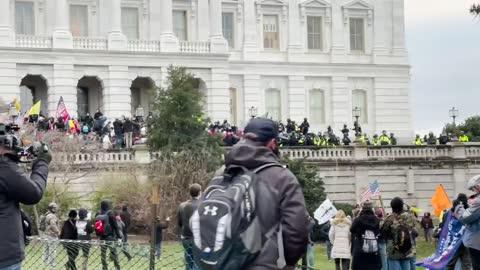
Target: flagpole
pixel 381 204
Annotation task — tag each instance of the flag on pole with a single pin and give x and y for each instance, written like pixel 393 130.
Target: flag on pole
pixel 440 201
pixel 15 104
pixel 372 191
pixel 325 212
pixel 35 110
pixel 62 110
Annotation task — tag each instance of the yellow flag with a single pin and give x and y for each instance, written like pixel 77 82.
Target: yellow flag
pixel 440 201
pixel 17 104
pixel 35 110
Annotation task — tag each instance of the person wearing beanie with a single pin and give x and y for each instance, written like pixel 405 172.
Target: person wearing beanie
pixel 69 232
pixel 396 225
pixel 365 221
pixel 84 229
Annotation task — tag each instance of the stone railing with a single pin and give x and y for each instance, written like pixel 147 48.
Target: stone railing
pixel 141 155
pixel 194 46
pixel 144 45
pixel 87 43
pixel 41 42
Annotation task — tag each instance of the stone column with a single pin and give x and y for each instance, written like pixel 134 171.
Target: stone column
pixel 9 82
pixel 116 94
pixel 7 35
pixel 203 24
pixel 296 98
pixel 338 51
pixel 116 39
pixel 64 85
pixel 252 95
pixel 219 95
pixel 380 17
pixel 155 20
pixel 294 45
pixel 62 37
pixel 399 28
pixel 168 41
pixel 218 44
pixel 250 43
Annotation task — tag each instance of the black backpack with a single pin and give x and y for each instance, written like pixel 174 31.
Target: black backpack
pixel 226 231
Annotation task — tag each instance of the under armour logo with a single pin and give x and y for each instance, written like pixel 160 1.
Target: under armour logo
pixel 210 210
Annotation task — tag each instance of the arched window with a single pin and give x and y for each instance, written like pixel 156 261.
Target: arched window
pixel 273 104
pixel 359 99
pixel 317 106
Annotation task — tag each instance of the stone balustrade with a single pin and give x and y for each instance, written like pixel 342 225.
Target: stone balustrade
pixel 40 42
pixel 141 155
pixel 87 43
pixel 194 47
pixel 144 45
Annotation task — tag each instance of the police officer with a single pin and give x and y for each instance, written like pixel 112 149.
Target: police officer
pixel 463 138
pixel 15 188
pixel 384 139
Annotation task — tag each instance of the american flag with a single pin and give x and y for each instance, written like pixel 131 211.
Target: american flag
pixel 62 110
pixel 372 191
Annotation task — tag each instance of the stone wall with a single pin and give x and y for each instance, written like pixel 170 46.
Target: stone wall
pixel 412 173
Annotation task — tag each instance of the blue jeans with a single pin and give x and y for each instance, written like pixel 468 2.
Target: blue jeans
pixel 382 247
pixel 403 264
pixel 329 249
pixel 310 258
pixel 189 260
pixel 17 266
pixel 158 250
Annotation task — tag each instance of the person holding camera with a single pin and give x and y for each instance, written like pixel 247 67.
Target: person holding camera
pixel 17 188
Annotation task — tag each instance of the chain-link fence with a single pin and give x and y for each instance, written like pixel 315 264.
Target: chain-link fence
pixel 49 253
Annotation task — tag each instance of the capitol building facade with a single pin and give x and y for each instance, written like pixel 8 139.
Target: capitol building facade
pixel 317 59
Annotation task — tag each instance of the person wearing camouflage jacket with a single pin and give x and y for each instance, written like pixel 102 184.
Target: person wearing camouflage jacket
pixel 398 260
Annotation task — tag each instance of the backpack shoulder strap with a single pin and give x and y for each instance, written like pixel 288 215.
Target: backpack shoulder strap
pixel 268 165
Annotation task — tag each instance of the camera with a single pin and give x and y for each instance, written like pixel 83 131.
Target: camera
pixel 11 142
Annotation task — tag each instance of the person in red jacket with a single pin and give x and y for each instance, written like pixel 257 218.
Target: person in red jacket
pixel 427 225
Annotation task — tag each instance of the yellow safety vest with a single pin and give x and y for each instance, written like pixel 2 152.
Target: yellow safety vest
pixel 464 138
pixel 386 139
pixel 418 142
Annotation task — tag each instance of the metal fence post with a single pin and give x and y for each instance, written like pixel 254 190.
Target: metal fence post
pixel 153 234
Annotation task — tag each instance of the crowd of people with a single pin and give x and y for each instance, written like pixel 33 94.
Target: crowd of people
pixel 443 139
pixel 122 133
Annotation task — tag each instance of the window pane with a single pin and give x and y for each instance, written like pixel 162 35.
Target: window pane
pixel 270 32
pixel 130 23
pixel 357 34
pixel 24 18
pixel 317 103
pixel 79 20
pixel 314 28
pixel 359 99
pixel 273 104
pixel 180 24
pixel 227 24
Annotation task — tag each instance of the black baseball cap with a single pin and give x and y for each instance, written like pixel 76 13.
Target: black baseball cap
pixel 265 129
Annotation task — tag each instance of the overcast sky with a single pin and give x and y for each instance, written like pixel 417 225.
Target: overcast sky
pixel 443 40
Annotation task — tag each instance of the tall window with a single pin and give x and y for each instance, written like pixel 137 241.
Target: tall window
pixel 359 99
pixel 273 104
pixel 24 18
pixel 270 32
pixel 79 20
pixel 130 23
pixel 180 24
pixel 314 29
pixel 233 106
pixel 357 34
pixel 227 26
pixel 317 106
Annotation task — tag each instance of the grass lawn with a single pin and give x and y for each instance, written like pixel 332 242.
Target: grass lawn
pixel 172 257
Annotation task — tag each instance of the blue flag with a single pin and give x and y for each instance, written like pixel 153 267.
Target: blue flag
pixel 449 242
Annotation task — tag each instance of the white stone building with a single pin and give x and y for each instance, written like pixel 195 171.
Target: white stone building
pixel 290 58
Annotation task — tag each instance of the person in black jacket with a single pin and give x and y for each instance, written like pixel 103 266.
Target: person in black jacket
pixel 15 188
pixel 69 232
pixel 128 132
pixel 114 236
pixel 118 129
pixel 185 212
pixel 127 220
pixel 366 220
pixel 159 228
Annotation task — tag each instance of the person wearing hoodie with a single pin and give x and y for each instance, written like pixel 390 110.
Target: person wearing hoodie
pixel 470 216
pixel 121 227
pixel 109 239
pixel 427 226
pixel 69 232
pixel 365 221
pixel 340 237
pixel 84 230
pixel 282 201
